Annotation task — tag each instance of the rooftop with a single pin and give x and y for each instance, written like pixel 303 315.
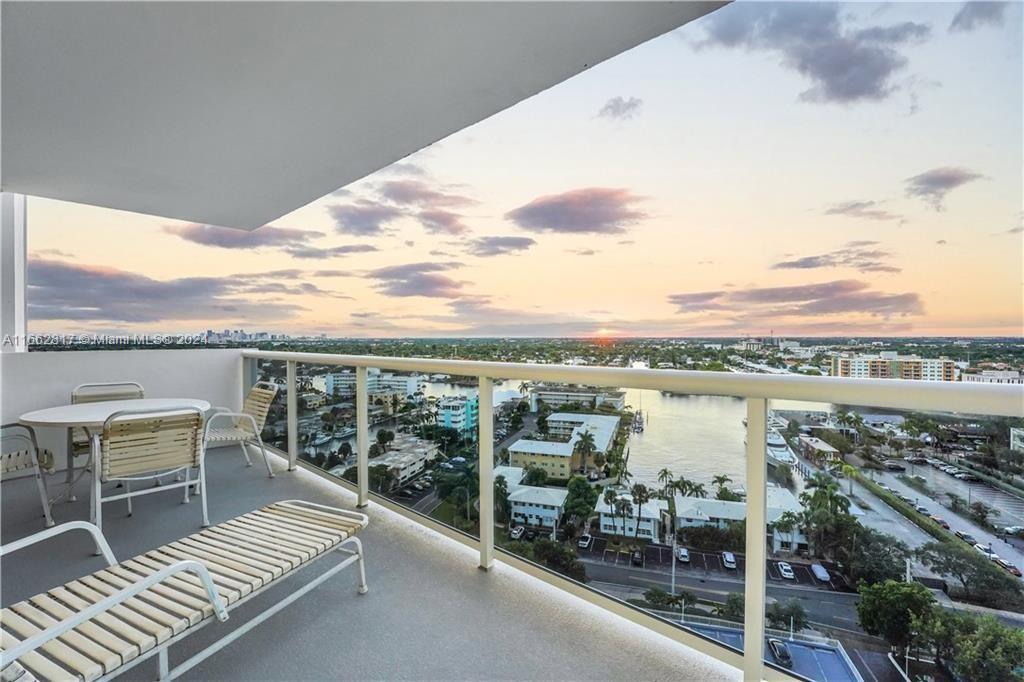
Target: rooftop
pixel 453 629
pixel 602 427
pixel 778 501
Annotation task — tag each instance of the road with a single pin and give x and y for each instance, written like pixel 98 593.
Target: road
pixel 833 609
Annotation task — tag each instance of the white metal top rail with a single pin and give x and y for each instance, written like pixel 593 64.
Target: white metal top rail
pixel 966 398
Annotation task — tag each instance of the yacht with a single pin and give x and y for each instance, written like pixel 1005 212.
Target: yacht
pixel 322 439
pixel 779 451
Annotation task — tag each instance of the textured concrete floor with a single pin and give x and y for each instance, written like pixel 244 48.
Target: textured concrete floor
pixel 431 614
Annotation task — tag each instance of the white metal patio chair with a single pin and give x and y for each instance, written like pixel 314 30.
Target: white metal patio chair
pixel 243 427
pixel 20 452
pixel 79 437
pixel 140 445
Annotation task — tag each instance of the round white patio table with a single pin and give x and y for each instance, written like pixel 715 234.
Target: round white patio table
pixel 93 415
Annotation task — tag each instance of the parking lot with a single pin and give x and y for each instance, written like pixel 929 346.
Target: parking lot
pixel 703 563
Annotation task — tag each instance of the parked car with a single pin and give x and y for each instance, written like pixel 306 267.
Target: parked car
pixel 729 560
pixel 939 520
pixel 965 536
pixel 895 466
pixel 780 652
pixel 637 558
pixel 986 550
pixel 786 571
pixel 1014 530
pixel 820 573
pixel 682 555
pixel 922 509
pixel 584 541
pixel 404 494
pixel 516 532
pixel 1010 568
pixel 417 486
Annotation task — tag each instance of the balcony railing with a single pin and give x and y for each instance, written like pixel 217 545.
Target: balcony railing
pixel 757 390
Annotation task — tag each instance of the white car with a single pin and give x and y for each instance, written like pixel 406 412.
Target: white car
pixel 683 555
pixel 729 560
pixel 987 551
pixel 516 532
pixel 786 571
pixel 584 541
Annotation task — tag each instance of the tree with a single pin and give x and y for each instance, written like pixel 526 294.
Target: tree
pixel 542 423
pixel 375 451
pixel 788 522
pixel 623 508
pixel 733 606
pixel 534 475
pixel 560 558
pixel 993 652
pixel 780 615
pixel 380 477
pixel 887 609
pixel 585 447
pixel 657 597
pixel 875 556
pixel 720 480
pixel 345 450
pixel 667 481
pixel 943 630
pixel 850 472
pixel 501 506
pixel 980 578
pixel 641 495
pixel 581 498
pixel 683 600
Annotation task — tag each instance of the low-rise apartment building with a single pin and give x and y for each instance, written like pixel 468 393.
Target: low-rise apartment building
pixel 458 412
pixel 698 511
pixel 344 382
pixel 556 395
pixel 1017 439
pixel 993 376
pixel 645 523
pixel 817 449
pixel 537 506
pixel 890 365
pixel 407 457
pixel 313 400
pixel 559 456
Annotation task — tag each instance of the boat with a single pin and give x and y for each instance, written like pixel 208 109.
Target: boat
pixel 345 433
pixel 778 450
pixel 322 439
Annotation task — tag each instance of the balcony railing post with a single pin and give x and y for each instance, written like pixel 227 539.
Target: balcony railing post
pixel 757 475
pixel 362 437
pixel 292 399
pixel 485 421
pixel 13 258
pixel 250 373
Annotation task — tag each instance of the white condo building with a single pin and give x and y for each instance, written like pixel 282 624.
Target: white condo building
pixel 558 457
pixel 344 382
pixel 649 519
pixel 699 511
pixel 891 365
pixel 532 505
pixel 992 376
pixel 555 395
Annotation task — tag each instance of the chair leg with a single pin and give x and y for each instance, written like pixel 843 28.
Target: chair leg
pixel 128 491
pixel 202 493
pixel 188 472
pixel 266 460
pixel 45 495
pixel 245 453
pixel 97 503
pixel 363 587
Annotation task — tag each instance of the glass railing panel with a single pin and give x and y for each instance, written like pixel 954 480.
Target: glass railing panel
pixel 899 515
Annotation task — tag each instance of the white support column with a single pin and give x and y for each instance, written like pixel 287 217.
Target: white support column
pixel 293 414
pixel 485 421
pixel 757 479
pixel 362 437
pixel 13 252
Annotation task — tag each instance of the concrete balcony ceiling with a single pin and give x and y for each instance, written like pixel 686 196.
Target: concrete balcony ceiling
pixel 236 113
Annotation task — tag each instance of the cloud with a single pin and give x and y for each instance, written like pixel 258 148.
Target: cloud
pixel 499 246
pixel 941 242
pixel 405 168
pixel 363 218
pixel 230 238
pixel 842 64
pixel 438 220
pixel 59 290
pixel 417 279
pixel 853 255
pixel 933 186
pixel 594 210
pixel 974 15
pixel 837 297
pixel 583 252
pixel 53 252
pixel 315 252
pixel 868 210
pixel 417 193
pixel 620 109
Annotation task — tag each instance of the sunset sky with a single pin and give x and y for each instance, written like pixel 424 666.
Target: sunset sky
pixel 807 168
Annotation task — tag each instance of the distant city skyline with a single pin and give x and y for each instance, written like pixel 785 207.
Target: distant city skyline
pixel 815 169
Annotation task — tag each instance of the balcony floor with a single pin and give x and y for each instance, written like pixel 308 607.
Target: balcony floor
pixel 430 613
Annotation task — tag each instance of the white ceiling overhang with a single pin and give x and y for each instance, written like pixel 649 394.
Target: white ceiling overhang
pixel 235 113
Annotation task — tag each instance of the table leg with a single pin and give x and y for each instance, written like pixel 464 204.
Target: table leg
pixel 69 480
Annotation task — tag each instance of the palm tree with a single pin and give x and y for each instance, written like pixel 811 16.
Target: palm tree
pixel 501 497
pixel 698 490
pixel 787 523
pixel 641 496
pixel 850 471
pixel 585 447
pixel 623 508
pixel 524 387
pixel 666 479
pixel 720 480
